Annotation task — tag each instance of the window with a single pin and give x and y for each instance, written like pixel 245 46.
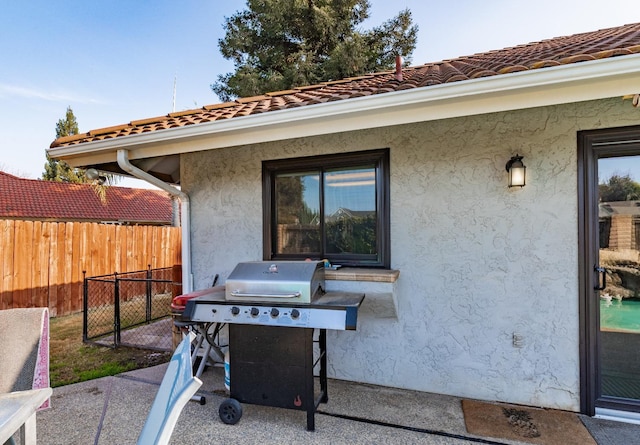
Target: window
pixel 334 207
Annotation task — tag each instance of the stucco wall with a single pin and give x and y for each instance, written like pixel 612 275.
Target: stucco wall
pixel 479 263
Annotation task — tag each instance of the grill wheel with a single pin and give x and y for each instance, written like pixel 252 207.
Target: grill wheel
pixel 230 411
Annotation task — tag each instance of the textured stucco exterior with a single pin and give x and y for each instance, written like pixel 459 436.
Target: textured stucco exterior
pixel 486 305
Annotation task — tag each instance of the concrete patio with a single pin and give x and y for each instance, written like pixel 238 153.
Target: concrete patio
pixel 112 410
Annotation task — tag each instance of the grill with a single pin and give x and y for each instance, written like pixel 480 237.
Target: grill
pixel 291 281
pixel 273 310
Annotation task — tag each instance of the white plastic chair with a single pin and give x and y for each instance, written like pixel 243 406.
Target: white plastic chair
pixel 24 350
pixel 177 387
pixel 24 371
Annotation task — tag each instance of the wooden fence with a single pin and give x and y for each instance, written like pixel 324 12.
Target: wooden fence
pixel 42 263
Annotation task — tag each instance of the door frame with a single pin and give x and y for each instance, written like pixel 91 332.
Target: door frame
pixel 593 144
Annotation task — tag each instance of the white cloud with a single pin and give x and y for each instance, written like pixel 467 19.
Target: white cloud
pixel 7 90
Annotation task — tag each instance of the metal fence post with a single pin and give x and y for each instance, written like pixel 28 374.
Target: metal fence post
pixel 148 287
pixel 116 312
pixel 85 307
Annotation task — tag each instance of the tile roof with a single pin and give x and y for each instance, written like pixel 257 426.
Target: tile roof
pixel 45 200
pixel 601 44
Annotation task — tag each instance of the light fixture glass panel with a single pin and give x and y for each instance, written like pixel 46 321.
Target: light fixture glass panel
pixel 517 176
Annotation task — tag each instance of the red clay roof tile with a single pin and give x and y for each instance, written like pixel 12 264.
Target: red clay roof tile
pixel 108 130
pixel 244 100
pixel 575 48
pixel 185 113
pixel 150 120
pixel 280 93
pixel 45 200
pixel 217 106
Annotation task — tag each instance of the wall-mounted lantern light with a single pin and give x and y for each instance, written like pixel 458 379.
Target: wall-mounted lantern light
pixel 517 171
pixel 93 175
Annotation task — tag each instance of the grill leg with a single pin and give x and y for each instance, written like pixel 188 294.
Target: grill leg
pixel 323 365
pixel 311 422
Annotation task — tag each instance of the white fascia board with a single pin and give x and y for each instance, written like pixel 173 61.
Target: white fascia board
pixel 576 82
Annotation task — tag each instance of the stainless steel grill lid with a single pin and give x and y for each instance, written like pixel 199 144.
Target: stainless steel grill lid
pixel 284 281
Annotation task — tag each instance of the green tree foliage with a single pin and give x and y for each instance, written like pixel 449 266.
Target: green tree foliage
pixel 619 188
pixel 290 202
pixel 60 171
pixel 280 44
pixel 355 234
pixel 303 231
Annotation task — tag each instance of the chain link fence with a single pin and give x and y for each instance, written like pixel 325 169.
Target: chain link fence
pixel 129 309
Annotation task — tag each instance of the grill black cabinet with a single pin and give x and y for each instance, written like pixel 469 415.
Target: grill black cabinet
pixel 273 366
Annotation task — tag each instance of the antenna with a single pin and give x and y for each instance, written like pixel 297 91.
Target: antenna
pixel 173 105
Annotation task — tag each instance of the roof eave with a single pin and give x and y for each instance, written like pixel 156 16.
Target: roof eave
pixel 576 82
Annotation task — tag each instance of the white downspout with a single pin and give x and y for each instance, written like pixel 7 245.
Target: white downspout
pixel 185 215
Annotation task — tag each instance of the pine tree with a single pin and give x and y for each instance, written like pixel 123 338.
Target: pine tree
pixel 60 171
pixel 280 44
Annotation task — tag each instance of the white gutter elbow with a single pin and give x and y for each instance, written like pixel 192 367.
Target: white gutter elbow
pixel 185 214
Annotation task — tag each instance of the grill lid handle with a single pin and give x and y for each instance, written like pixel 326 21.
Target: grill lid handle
pixel 237 293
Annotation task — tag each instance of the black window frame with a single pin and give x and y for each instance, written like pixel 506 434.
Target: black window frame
pixel 378 157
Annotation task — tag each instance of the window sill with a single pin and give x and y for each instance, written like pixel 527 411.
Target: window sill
pixel 360 274
pixel 378 285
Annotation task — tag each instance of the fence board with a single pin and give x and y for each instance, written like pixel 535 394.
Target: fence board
pixel 163 241
pixel 93 260
pixel 22 262
pixel 147 249
pixel 117 253
pixel 54 267
pixel 176 245
pixel 64 233
pixel 6 238
pixel 73 268
pixel 41 270
pixel 108 249
pixel 96 243
pixel 42 263
pixel 69 241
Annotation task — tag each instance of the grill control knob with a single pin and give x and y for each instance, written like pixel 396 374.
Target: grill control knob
pixel 295 313
pixel 254 311
pixel 235 310
pixel 275 312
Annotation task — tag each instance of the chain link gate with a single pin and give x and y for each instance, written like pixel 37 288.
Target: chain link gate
pixel 129 309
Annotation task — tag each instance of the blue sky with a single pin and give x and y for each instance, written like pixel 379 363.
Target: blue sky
pixel 115 61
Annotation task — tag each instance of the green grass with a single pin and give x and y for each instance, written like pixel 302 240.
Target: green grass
pixel 106 369
pixel 72 361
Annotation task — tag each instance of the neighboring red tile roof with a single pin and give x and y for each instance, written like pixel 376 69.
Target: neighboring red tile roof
pixel 576 48
pixel 45 200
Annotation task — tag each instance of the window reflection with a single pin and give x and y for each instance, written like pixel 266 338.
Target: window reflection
pixel 333 207
pixel 297 213
pixel 350 218
pixel 349 208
